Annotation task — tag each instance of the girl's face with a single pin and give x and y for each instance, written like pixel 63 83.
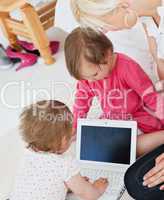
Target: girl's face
pixel 93 72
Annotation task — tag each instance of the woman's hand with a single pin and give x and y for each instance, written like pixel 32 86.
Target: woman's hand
pixel 156 175
pixel 152 43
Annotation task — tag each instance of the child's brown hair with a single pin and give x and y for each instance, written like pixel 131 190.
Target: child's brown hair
pixel 87 43
pixel 44 124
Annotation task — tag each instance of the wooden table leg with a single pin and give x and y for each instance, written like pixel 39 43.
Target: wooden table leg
pixel 37 33
pixel 12 38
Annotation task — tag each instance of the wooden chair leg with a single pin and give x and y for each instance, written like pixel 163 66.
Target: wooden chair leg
pixel 36 31
pixel 12 38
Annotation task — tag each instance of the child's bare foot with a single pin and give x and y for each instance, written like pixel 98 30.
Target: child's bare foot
pixel 101 184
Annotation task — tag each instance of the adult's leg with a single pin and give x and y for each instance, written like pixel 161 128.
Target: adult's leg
pixel 134 177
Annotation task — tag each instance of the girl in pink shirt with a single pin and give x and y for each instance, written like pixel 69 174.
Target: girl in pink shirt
pixel 123 89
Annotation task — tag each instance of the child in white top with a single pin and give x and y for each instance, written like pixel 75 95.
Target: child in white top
pixel 48 170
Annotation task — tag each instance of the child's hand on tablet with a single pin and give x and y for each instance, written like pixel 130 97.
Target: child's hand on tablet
pixel 101 184
pixel 86 178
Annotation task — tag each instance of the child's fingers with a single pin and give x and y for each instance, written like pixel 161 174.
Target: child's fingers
pixel 86 178
pixel 104 180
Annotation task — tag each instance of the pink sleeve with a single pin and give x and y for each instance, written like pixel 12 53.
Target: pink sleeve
pixel 137 79
pixel 83 101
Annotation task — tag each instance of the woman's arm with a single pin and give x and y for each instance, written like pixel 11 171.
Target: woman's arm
pixel 138 81
pixel 153 48
pixel 146 7
pixel 148 142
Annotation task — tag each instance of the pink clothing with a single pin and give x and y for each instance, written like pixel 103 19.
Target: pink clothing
pixel 127 93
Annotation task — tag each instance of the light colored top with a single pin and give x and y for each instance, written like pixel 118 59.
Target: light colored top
pixel 134 43
pixel 41 176
pixel 127 93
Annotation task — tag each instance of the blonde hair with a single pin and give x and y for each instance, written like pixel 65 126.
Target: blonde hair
pixel 44 124
pixel 84 11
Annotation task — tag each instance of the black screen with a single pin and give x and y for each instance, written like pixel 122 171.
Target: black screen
pixel 105 144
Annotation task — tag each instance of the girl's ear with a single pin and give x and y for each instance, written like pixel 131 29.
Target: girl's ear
pixel 64 141
pixel 63 147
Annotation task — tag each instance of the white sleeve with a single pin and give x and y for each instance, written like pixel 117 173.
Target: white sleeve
pixel 151 27
pixel 161 32
pixel 160 11
pixel 72 169
pixel 157 33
